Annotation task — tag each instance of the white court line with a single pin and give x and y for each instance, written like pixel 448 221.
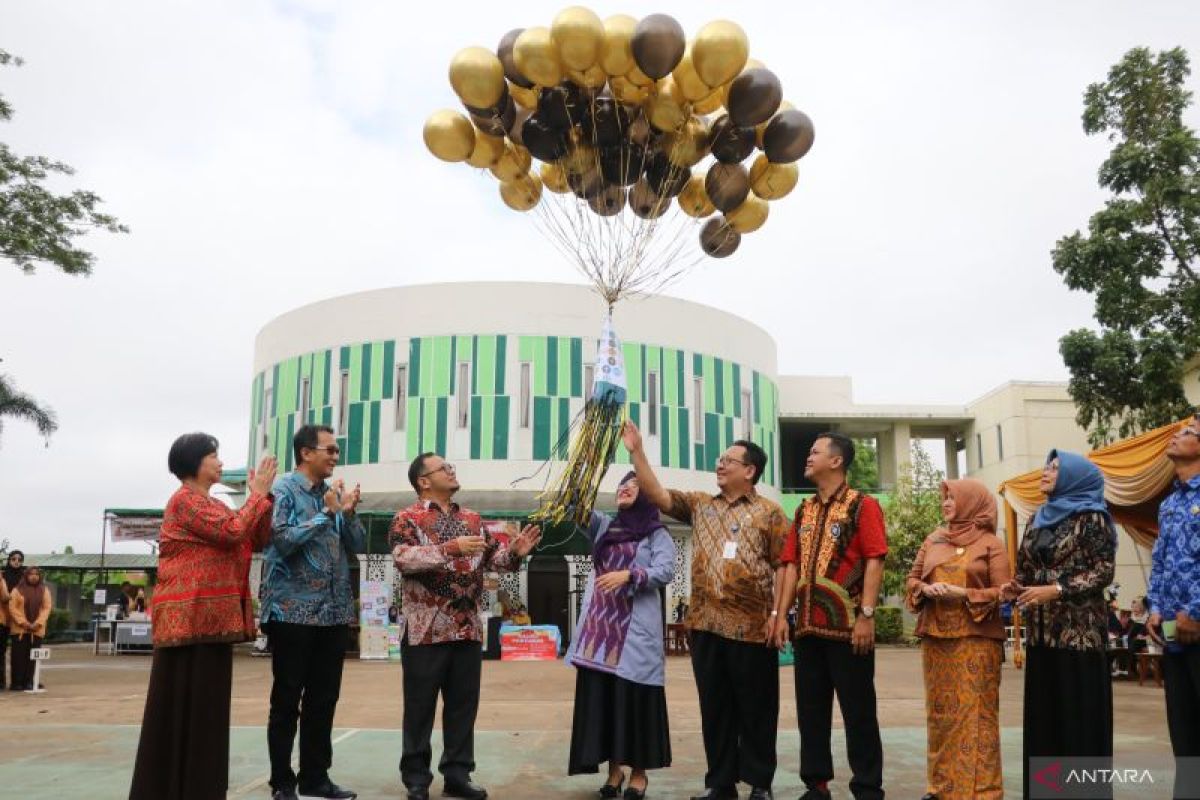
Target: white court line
pixel 242 791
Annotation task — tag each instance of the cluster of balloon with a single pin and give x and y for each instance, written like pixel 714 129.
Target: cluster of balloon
pixel 625 114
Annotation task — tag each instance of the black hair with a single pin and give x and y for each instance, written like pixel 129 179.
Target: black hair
pixel 755 457
pixel 20 553
pixel 307 437
pixel 188 452
pixel 416 468
pixel 843 445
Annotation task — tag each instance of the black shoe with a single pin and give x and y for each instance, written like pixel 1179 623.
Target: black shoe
pixel 609 792
pixel 929 796
pixel 636 794
pixel 759 793
pixel 417 792
pixel 465 791
pixel 284 794
pixel 330 791
pixel 816 794
pixel 714 793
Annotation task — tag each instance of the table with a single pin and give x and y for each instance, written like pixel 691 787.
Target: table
pixel 113 636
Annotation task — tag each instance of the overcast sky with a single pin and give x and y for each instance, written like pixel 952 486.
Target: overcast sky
pixel 267 155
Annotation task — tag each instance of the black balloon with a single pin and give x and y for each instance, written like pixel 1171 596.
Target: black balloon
pixel 658 44
pixel 647 203
pixel 605 122
pixel 717 239
pixel 560 106
pixel 543 143
pixel 622 165
pixel 788 136
pixel 666 178
pixel 731 143
pixel 754 96
pixel 504 51
pixel 727 185
pixel 587 185
pixel 608 202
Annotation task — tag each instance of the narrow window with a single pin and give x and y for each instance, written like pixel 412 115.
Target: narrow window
pixel 343 401
pixel 1000 442
pixel 698 407
pixel 589 382
pixel 266 415
pixel 979 450
pixel 305 384
pixel 747 416
pixel 525 400
pixel 401 395
pixel 652 403
pixel 464 393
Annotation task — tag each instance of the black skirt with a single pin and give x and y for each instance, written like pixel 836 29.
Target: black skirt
pixel 183 751
pixel 620 721
pixel 1068 706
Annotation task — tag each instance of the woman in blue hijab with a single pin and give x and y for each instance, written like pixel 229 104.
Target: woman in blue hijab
pixel 1064 564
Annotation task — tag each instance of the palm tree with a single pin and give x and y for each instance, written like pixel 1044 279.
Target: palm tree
pixel 16 405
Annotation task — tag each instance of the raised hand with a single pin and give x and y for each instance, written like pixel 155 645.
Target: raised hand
pixel 631 437
pixel 470 545
pixel 529 537
pixel 262 479
pixel 351 499
pixel 332 503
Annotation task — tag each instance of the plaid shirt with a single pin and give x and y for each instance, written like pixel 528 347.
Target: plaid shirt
pixel 443 590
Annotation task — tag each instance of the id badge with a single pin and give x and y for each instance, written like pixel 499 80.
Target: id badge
pixel 730 550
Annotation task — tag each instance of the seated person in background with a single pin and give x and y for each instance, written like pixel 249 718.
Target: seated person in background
pixel 1138 635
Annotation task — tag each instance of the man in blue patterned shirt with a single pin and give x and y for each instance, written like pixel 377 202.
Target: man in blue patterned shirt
pixel 1175 597
pixel 307 608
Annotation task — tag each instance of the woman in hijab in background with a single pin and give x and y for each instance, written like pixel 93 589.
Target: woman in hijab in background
pixel 14 568
pixel 1065 563
pixel 954 587
pixel 620 703
pixel 28 610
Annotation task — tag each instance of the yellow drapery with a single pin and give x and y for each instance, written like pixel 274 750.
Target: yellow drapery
pixel 1137 476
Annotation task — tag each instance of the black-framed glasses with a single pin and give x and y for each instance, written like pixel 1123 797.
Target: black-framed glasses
pixel 725 461
pixel 446 467
pixel 332 449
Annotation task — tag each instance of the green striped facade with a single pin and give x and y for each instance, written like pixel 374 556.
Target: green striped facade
pixel 493 365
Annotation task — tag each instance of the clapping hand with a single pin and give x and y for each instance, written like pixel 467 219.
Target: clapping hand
pixel 332 503
pixel 529 537
pixel 262 479
pixel 351 498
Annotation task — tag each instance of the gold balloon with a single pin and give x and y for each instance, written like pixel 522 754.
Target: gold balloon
pixel 616 54
pixel 686 147
pixel 525 98
pixel 720 52
pixel 594 77
pixel 477 76
pixel 772 181
pixel 627 92
pixel 639 78
pixel 693 200
pixel 667 109
pixel 689 83
pixel 512 164
pixel 579 35
pixel 449 135
pixel 749 216
pixel 709 104
pixel 761 128
pixel 554 179
pixel 537 58
pixel 581 159
pixel 487 151
pixel 523 193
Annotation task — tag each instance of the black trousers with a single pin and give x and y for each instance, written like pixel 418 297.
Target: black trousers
pixel 306 663
pixel 738 684
pixel 1181 676
pixel 451 669
pixel 22 666
pixel 3 659
pixel 823 668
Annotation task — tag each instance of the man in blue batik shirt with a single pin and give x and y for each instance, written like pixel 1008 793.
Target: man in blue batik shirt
pixel 1174 596
pixel 307 608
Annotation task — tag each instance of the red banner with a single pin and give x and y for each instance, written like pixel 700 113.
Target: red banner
pixel 529 643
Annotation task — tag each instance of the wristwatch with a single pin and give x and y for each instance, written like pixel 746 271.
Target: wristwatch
pixel 868 611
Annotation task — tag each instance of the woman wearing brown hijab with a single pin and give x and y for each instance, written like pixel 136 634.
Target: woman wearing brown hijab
pixel 28 608
pixel 954 587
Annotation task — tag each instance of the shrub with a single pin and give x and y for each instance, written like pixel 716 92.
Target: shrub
pixel 889 625
pixel 59 621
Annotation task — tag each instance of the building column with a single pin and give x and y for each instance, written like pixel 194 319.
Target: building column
pixel 901 446
pixel 886 455
pixel 951 457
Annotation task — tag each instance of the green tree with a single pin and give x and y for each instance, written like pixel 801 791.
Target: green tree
pixel 1139 255
pixel 912 510
pixel 15 405
pixel 864 472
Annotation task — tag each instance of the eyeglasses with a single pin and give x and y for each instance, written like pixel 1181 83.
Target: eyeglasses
pixel 725 461
pixel 446 467
pixel 1188 432
pixel 332 449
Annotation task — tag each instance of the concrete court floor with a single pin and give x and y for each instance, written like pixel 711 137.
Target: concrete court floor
pixel 78 740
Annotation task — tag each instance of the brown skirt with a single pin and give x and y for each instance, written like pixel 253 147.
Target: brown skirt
pixel 183 752
pixel 962 706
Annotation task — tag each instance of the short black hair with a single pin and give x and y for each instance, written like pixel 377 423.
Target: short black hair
pixel 416 468
pixel 307 437
pixel 843 445
pixel 755 457
pixel 188 452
